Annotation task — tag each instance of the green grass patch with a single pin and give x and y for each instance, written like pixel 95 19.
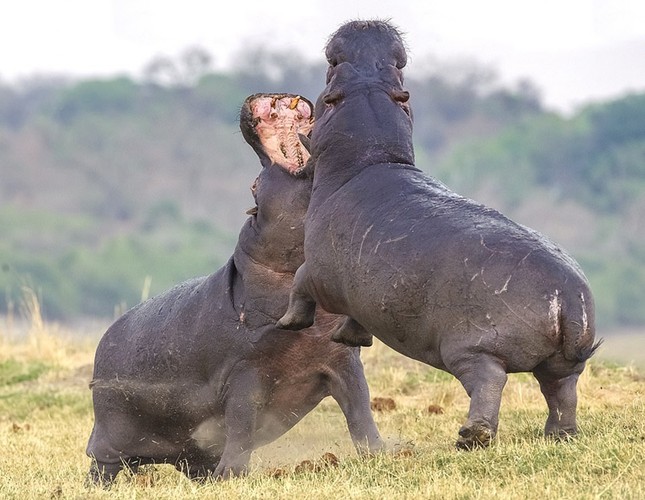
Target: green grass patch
pixel 15 372
pixel 29 403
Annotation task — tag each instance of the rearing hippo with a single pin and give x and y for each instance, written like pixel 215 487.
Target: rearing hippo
pixel 435 276
pixel 199 376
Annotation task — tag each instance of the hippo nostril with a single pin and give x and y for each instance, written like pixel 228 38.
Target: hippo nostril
pixel 332 97
pixel 401 96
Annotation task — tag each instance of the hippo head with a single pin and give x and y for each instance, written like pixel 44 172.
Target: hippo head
pixel 272 125
pixel 365 97
pixel 275 126
pixel 366 52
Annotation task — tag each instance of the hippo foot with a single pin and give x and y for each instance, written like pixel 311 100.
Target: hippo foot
pixel 196 472
pixel 352 334
pixel 300 314
pixel 228 471
pixel 561 435
pixel 340 338
pixel 475 436
pixel 102 474
pixel 293 322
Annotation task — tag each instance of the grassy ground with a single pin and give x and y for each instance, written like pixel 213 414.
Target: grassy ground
pixel 46 417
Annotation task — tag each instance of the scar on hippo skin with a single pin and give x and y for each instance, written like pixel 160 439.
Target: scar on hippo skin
pixel 434 275
pixel 198 376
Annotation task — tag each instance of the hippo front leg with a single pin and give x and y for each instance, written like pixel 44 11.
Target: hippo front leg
pixel 351 392
pixel 239 419
pixel 484 379
pixel 302 307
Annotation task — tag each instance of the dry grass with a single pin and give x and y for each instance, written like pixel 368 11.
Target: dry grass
pixel 45 420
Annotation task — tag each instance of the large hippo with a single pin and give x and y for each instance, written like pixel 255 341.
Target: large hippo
pixel 199 376
pixel 436 276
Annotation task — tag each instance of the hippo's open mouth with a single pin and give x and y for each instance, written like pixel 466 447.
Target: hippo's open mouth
pixel 279 119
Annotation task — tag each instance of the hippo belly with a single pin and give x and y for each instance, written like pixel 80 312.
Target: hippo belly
pixel 181 379
pixel 435 275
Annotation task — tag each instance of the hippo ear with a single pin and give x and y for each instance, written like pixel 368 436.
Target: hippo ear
pixel 306 142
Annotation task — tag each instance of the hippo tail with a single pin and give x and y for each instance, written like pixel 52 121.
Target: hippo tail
pixel 576 320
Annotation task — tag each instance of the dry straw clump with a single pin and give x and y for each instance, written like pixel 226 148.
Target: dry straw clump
pixel 29 338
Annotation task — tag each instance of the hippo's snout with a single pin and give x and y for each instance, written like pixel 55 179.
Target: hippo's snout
pixel 347 78
pixel 396 93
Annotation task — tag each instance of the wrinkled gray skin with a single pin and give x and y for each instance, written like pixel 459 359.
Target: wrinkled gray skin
pixel 435 276
pixel 199 376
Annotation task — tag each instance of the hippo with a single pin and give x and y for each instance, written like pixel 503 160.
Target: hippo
pixel 199 376
pixel 436 276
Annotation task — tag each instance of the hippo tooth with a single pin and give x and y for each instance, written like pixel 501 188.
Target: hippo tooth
pixel 301 160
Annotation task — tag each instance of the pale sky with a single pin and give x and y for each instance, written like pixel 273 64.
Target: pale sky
pixel 573 50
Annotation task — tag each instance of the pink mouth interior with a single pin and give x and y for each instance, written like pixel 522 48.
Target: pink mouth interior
pixel 280 119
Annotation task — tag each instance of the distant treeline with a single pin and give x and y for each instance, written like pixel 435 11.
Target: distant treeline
pixel 109 185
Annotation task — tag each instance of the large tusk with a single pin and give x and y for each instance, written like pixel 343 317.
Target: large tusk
pixel 294 102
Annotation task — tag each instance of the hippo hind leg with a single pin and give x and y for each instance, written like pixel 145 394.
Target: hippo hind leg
pixel 484 379
pixel 561 398
pixel 351 333
pixel 302 308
